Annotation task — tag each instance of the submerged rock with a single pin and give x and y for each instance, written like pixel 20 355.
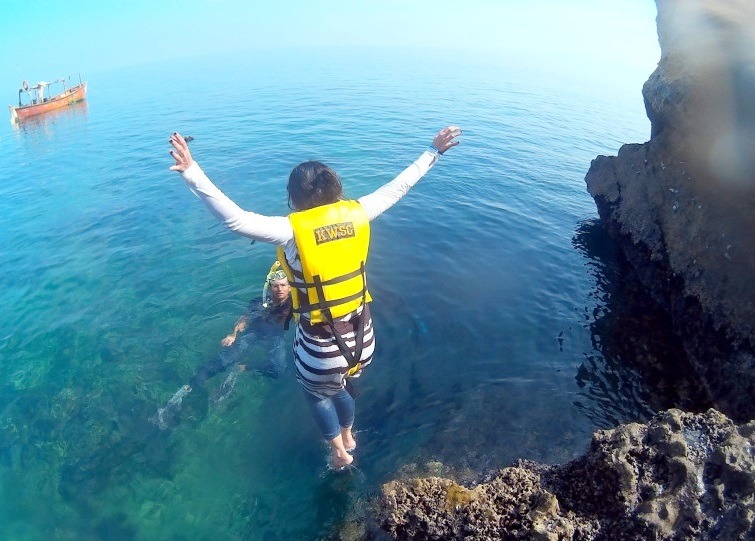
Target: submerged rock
pixel 680 476
pixel 682 205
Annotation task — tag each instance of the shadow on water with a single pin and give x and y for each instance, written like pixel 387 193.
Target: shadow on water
pixel 638 365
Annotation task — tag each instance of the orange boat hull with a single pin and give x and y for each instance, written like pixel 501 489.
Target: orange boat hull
pixel 72 95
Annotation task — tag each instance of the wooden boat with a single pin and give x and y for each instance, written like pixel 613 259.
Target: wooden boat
pixel 34 100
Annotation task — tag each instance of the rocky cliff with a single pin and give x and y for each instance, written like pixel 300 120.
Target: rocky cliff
pixel 681 476
pixel 682 205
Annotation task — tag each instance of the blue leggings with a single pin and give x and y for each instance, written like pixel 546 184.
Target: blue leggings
pixel 332 413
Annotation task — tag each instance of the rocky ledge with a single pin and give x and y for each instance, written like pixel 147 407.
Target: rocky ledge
pixel 682 205
pixel 680 476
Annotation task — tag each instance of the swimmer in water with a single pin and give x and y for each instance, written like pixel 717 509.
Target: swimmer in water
pixel 263 322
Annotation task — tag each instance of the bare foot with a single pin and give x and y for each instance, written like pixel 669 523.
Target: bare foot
pixel 349 443
pixel 339 460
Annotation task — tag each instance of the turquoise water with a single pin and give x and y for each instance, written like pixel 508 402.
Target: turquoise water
pixel 117 284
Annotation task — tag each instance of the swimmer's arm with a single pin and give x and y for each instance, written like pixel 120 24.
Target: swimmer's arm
pixel 270 229
pixel 240 327
pixel 389 194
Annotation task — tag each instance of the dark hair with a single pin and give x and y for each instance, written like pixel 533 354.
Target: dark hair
pixel 313 184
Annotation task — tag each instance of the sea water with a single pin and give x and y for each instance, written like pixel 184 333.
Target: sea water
pixel 117 284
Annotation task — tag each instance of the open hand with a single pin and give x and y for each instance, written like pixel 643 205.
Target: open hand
pixel 445 138
pixel 180 153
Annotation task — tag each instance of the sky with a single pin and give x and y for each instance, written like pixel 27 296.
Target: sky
pixel 613 40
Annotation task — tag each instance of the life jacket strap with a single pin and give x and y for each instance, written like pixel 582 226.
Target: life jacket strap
pixel 304 309
pixel 351 359
pixel 330 282
pixel 353 370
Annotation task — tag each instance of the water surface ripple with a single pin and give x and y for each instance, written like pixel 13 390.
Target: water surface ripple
pixel 116 284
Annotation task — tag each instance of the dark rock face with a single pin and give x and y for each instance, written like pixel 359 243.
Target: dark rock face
pixel 642 367
pixel 682 205
pixel 681 476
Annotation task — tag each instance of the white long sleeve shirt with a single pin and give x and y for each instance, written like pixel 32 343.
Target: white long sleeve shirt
pixel 320 371
pixel 277 229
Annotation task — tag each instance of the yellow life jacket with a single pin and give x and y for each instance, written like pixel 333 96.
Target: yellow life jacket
pixel 332 241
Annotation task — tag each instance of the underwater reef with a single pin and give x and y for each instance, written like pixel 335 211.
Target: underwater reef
pixel 681 206
pixel 680 476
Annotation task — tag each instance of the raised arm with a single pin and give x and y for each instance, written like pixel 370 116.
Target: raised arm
pixel 389 194
pixel 446 139
pixel 180 153
pixel 272 229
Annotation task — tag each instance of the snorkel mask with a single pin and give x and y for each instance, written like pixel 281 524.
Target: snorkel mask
pixel 273 275
pixel 277 275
